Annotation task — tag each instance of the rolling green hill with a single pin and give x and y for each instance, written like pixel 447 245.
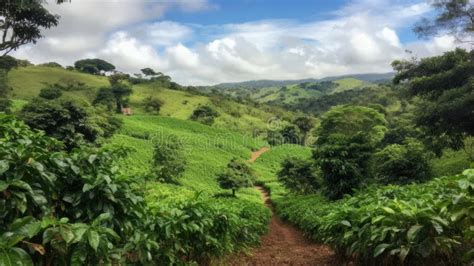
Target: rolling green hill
pixel 26 82
pixel 290 94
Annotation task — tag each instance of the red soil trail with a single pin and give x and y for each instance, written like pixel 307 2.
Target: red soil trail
pixel 256 154
pixel 283 244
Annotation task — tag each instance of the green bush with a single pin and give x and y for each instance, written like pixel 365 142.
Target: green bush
pixel 50 93
pixel 402 164
pixel 204 114
pixel 168 160
pixel 68 121
pixel 152 105
pixel 237 175
pixel 344 163
pixel 419 224
pixel 299 175
pixel 77 208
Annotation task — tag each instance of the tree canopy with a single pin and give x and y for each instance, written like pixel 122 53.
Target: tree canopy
pixel 22 22
pixel 455 17
pixel 93 66
pixel 445 83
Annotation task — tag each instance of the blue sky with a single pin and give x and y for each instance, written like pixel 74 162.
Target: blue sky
pixel 202 42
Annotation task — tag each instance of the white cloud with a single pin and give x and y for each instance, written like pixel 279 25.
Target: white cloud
pixel 360 37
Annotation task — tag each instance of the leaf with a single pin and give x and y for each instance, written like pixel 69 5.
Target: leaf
pixel 92 158
pixel 67 234
pixel 377 219
pixel 403 253
pixel 380 249
pixel 78 256
pixel 413 231
pixel 388 210
pixel 3 185
pixel 15 257
pixel 3 166
pixel 93 238
pixel 103 217
pixel 346 223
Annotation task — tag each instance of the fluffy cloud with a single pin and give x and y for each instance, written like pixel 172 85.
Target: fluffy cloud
pixel 360 37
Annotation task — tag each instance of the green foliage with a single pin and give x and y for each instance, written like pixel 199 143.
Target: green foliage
pixel 68 121
pixel 38 183
pixel 5 103
pixel 120 91
pixel 350 120
pixel 93 66
pixel 168 160
pixel 22 22
pixel 51 64
pixel 50 93
pixel 152 105
pixel 204 114
pixel 454 17
pixel 104 97
pixel 299 175
pixel 347 137
pixel 422 224
pixel 402 163
pixel 445 85
pixel 7 63
pixel 344 163
pixel 237 175
pixel 98 217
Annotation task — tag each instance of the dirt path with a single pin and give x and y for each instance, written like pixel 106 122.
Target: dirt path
pixel 284 244
pixel 256 154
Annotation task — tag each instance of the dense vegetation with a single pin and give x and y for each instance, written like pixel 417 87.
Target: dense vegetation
pixel 380 172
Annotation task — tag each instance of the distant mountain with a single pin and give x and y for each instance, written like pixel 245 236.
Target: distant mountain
pixel 257 84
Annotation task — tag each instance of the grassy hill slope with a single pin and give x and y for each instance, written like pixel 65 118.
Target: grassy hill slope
pixel 292 93
pixel 26 83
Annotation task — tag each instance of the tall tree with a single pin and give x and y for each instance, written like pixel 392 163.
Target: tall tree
pixel 94 66
pixel 455 17
pixel 21 23
pixel 446 85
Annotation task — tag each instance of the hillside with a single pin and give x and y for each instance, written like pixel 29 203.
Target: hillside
pixel 256 84
pixel 26 82
pixel 293 93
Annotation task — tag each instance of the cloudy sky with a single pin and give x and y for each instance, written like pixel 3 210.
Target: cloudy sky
pixel 200 42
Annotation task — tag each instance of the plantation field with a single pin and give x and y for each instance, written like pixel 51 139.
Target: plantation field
pixel 207 151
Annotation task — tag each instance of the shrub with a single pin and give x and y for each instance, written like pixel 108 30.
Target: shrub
pixel 402 164
pixel 237 175
pixel 344 163
pixel 419 224
pixel 299 175
pixel 204 114
pixel 69 207
pixel 77 209
pixel 51 64
pixel 68 121
pixel 168 160
pixel 50 93
pixel 152 105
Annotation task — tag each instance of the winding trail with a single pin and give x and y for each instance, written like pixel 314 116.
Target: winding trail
pixel 284 244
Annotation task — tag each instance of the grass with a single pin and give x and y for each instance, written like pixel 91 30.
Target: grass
pixel 268 164
pixel 347 84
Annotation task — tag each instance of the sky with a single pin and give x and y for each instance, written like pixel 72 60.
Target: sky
pixel 204 42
